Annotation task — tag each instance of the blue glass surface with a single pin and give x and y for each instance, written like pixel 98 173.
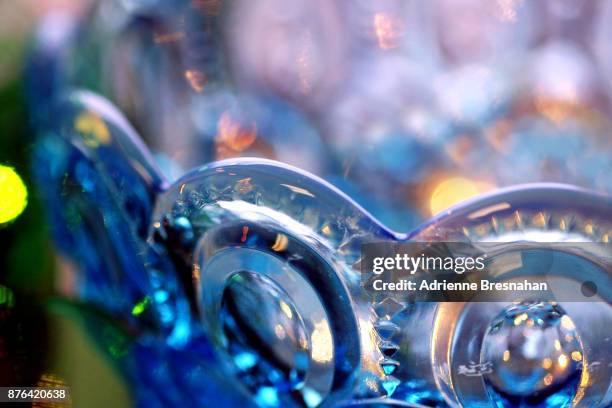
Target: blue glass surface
pixel 240 282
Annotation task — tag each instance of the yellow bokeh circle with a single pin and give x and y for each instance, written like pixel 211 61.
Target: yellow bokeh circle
pixel 13 194
pixel 453 191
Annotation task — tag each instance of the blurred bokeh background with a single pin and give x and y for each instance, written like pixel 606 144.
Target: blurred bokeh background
pixel 42 338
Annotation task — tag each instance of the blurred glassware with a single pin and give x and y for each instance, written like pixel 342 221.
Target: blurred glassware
pixel 464 334
pixel 378 101
pixel 302 331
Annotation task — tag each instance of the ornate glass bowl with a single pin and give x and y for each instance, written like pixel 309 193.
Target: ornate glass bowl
pixel 240 282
